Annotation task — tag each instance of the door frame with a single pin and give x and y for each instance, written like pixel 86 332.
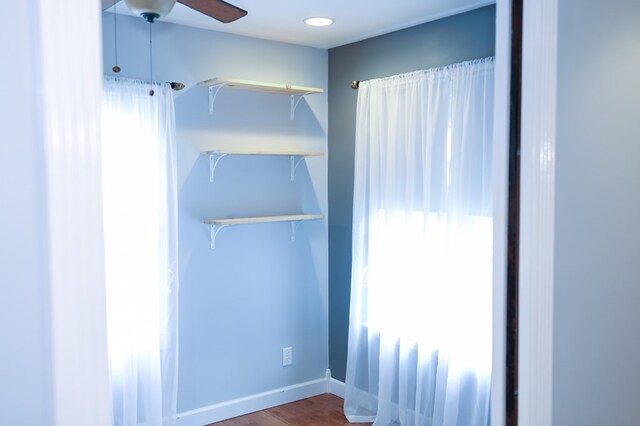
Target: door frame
pixel 537 207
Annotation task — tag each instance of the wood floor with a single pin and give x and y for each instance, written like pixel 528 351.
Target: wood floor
pixel 321 410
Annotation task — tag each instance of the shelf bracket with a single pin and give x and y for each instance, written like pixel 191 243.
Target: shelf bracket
pixel 295 100
pixel 294 225
pixel 294 165
pixel 213 93
pixel 214 233
pixel 213 163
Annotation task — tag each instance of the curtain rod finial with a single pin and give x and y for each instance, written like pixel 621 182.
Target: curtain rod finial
pixel 355 84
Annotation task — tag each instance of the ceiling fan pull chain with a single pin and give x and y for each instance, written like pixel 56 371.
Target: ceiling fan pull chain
pixel 115 68
pixel 151 58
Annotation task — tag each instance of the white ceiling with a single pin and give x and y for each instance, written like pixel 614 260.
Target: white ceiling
pixel 355 20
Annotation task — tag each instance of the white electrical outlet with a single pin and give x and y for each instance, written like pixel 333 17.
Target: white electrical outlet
pixel 287 356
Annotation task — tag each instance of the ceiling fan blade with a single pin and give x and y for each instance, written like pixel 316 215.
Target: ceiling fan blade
pixel 106 4
pixel 217 9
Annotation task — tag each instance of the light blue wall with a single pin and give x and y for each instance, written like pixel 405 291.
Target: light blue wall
pixel 257 292
pixel 596 350
pixel 446 41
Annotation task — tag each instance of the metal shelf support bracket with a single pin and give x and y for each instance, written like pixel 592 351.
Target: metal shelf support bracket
pixel 294 165
pixel 213 93
pixel 295 100
pixel 213 163
pixel 214 233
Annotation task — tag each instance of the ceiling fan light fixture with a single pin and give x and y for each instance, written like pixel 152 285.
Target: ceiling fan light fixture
pixel 150 9
pixel 317 21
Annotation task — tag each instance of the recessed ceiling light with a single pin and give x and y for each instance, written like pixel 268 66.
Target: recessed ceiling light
pixel 318 22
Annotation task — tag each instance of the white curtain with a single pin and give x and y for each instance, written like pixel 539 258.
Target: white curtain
pixel 420 320
pixel 140 222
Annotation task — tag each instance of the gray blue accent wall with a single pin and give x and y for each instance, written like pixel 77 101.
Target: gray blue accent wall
pixel 446 41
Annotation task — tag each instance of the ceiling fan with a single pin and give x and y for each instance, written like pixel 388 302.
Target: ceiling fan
pixel 151 10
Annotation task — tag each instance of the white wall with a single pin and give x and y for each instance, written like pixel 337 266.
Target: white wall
pixel 257 292
pixel 25 369
pixel 596 362
pixel 53 361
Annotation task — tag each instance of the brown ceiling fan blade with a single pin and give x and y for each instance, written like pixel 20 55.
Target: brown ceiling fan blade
pixel 217 9
pixel 106 4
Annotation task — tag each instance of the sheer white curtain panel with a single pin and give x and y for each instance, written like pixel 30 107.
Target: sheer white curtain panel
pixel 140 222
pixel 420 319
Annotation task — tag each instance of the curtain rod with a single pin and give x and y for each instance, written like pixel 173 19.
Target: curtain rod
pixel 355 84
pixel 175 85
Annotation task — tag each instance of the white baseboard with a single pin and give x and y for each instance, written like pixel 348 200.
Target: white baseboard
pixel 336 387
pixel 262 401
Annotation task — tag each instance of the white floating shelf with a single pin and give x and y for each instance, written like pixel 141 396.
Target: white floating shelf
pixel 296 92
pixel 263 219
pixel 259 86
pixel 218 224
pixel 216 155
pixel 238 152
